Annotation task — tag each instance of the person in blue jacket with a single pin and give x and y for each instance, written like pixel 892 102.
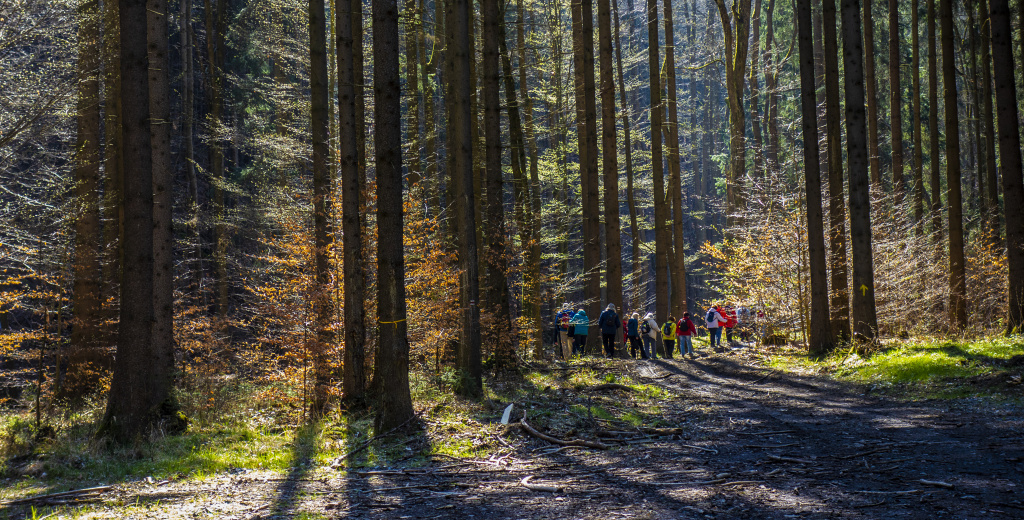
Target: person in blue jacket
pixel 610 324
pixel 633 335
pixel 580 324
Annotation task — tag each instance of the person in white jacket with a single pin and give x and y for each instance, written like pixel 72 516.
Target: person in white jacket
pixel 650 336
pixel 715 320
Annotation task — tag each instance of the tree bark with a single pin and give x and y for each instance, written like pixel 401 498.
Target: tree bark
pixel 138 394
pixel 916 87
pixel 635 241
pixel 392 363
pixel 458 83
pixel 863 308
pixel 755 92
pixel 354 377
pixel 840 287
pixel 215 20
pixel 499 334
pixel 323 309
pixel 957 273
pixel 162 354
pixel 1003 72
pixel 86 294
pixel 895 101
pixel 413 84
pixel 735 30
pixel 661 302
pixel 872 94
pixel 990 199
pixel 820 330
pixel 933 128
pixel 610 160
pixel 675 187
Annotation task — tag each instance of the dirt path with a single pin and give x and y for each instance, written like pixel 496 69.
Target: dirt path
pixel 758 444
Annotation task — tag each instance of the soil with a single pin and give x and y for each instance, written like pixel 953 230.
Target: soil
pixel 753 442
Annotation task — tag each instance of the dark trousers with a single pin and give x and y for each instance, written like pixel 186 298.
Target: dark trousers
pixel 635 346
pixel 670 345
pixel 609 344
pixel 728 334
pixel 578 342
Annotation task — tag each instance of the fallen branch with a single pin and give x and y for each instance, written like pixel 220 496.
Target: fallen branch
pixel 64 494
pixel 554 440
pixel 936 483
pixel 610 386
pixel 766 376
pixel 772 446
pixel 907 492
pixel 765 433
pixel 539 487
pixel 709 450
pixel 778 458
pixel 697 483
pixel 740 482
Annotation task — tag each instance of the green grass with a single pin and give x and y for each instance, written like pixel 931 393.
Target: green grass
pixel 924 367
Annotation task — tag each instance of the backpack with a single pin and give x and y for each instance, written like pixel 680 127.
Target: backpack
pixel 666 329
pixel 645 327
pixel 563 322
pixel 711 316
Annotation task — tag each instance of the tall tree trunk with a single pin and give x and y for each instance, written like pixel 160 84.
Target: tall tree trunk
pixel 755 92
pixel 872 94
pixel 675 187
pixel 458 81
pixel 1003 72
pixel 661 303
pixel 863 308
pixel 215 60
pixel 957 274
pixel 821 338
pixel 113 161
pixel 610 160
pixel 499 334
pixel 771 85
pixel 592 202
pixel 392 363
pixel 433 197
pixel 991 196
pixel 187 104
pixel 86 293
pixel 895 101
pixel 635 265
pixel 916 87
pixel 534 259
pixel 413 84
pixel 323 311
pixel 138 393
pixel 162 349
pixel 840 297
pixel 354 377
pixel 933 127
pixel 735 29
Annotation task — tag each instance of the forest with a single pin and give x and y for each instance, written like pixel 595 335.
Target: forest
pixel 323 233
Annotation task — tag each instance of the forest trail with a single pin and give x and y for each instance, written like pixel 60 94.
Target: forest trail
pixel 757 443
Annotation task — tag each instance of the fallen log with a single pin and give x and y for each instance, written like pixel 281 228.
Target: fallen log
pixel 63 494
pixel 554 440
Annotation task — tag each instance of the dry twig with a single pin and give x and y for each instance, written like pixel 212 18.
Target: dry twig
pixel 539 487
pixel 554 440
pixel 76 493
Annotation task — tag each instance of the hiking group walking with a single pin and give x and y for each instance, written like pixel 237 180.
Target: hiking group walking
pixel 641 335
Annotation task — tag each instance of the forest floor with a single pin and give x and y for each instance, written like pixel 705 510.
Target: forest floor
pixel 735 439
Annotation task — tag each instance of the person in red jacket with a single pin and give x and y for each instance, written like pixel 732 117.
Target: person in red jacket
pixel 730 321
pixel 684 330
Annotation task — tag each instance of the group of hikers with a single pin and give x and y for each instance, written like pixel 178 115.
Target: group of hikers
pixel 642 334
